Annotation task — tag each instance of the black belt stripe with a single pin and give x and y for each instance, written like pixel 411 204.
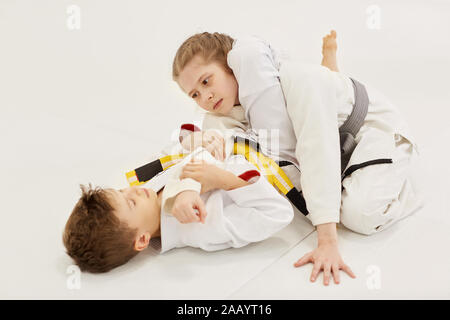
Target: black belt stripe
pixel 148 171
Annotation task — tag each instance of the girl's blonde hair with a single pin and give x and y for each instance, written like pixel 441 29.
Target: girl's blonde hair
pixel 212 47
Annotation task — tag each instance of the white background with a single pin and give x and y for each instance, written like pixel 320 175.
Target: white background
pixel 89 104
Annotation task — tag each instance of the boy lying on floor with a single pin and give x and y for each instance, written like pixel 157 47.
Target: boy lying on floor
pixel 108 227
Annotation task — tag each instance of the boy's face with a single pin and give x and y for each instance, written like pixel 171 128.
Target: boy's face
pixel 208 84
pixel 140 209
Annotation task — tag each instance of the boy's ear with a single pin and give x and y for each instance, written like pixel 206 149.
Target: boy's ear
pixel 142 241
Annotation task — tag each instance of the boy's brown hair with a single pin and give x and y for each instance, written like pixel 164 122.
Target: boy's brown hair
pixel 94 236
pixel 213 47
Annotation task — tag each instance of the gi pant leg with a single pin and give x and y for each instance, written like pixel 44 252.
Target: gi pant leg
pixel 377 196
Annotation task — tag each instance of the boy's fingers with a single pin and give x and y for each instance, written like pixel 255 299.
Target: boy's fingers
pixel 191 166
pixel 184 175
pixel 192 162
pixel 219 150
pixel 215 150
pixel 181 217
pixel 190 215
pixel 201 210
pixel 194 216
pixel 219 154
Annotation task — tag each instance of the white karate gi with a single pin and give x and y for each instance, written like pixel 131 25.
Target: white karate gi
pixel 307 104
pixel 234 218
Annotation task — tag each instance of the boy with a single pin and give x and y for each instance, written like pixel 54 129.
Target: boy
pixel 108 227
pixel 306 104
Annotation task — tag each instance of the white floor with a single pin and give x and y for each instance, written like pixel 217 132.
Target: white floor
pixel 80 106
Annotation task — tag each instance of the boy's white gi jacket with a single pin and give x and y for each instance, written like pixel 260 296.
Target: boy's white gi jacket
pixel 306 104
pixel 234 218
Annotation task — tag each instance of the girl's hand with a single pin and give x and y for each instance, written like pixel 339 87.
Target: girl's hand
pixel 209 175
pixel 327 258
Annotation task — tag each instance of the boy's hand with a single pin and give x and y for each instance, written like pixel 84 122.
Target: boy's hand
pixel 189 207
pixel 208 139
pixel 209 175
pixel 214 143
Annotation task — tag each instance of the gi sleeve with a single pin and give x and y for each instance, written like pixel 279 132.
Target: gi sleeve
pixel 255 68
pixel 256 212
pixel 312 105
pixel 175 185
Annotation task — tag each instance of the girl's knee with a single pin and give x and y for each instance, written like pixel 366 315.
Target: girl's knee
pixel 356 216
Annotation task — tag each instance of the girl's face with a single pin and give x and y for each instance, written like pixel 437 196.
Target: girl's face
pixel 211 87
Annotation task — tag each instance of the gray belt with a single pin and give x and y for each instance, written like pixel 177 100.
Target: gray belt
pixel 351 126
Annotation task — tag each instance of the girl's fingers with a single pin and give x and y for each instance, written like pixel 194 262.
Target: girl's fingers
pixel 336 276
pixel 316 270
pixel 349 271
pixel 303 260
pixel 326 274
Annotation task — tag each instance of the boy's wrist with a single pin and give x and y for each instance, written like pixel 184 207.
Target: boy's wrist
pixel 229 181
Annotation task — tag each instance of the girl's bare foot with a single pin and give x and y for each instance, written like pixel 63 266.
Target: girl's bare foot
pixel 329 48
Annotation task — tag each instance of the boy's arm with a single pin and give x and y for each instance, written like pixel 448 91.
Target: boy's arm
pixel 185 203
pixel 211 177
pixel 175 185
pixel 184 211
pixel 229 181
pixel 256 212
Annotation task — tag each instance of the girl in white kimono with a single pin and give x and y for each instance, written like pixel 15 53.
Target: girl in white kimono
pixel 305 105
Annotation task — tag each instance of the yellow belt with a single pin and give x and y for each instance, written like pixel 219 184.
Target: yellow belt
pixel 267 166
